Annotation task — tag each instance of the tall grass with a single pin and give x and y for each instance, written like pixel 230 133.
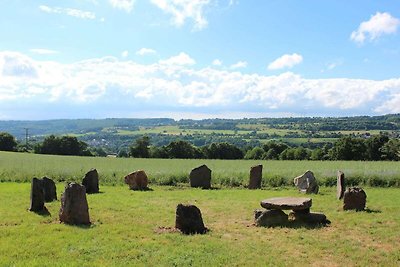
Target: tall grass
pixel 21 167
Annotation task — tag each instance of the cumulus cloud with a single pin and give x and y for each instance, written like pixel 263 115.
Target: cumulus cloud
pixel 286 61
pixel 68 11
pixel 216 62
pixel 42 51
pixel 114 87
pixel 126 5
pixel 182 10
pixel 145 51
pixel 239 65
pixel 378 25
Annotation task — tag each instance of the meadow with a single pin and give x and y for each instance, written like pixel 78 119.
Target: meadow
pixel 22 167
pixel 131 228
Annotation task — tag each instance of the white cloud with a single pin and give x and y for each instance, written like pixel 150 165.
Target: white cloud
pixel 239 65
pixel 68 11
pixel 145 51
pixel 285 61
pixel 42 51
pixel 126 5
pixel 111 87
pixel 125 54
pixel 182 10
pixel 378 25
pixel 216 62
pixel 180 60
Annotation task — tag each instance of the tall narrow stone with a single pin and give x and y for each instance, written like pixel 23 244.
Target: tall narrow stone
pixel 91 181
pixel 255 177
pixel 37 195
pixel 74 207
pixel 200 177
pixel 50 190
pixel 340 185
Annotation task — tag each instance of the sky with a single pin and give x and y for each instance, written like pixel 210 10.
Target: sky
pixel 198 58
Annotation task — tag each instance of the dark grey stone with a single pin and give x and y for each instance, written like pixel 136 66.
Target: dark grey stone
pixel 189 220
pixel 271 218
pixel 91 181
pixel 37 195
pixel 255 177
pixel 287 203
pixel 50 190
pixel 200 177
pixel 340 185
pixel 354 198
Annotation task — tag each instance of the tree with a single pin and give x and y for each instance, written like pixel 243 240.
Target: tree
pixel 349 148
pixel 255 153
pixel 7 142
pixel 223 151
pixel 374 145
pixel 391 150
pixel 182 150
pixel 141 148
pixel 65 145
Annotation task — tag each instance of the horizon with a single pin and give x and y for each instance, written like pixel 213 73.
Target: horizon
pixel 198 59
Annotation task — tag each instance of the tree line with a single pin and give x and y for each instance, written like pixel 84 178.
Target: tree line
pixel 377 147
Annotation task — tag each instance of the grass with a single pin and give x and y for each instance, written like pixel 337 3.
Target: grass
pixel 21 167
pixel 126 230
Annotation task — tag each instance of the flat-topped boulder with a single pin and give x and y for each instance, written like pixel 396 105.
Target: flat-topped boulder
pixel 287 203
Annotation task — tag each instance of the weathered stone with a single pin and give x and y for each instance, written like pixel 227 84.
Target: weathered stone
pixel 307 183
pixel 340 185
pixel 354 198
pixel 37 195
pixel 200 177
pixel 257 213
pixel 91 181
pixel 271 218
pixel 188 220
pixel 255 177
pixel 287 203
pixel 137 180
pixel 310 218
pixel 50 190
pixel 74 207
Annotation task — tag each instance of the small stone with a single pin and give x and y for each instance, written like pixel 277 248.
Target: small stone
pixel 200 177
pixel 354 198
pixel 310 218
pixel 74 207
pixel 255 177
pixel 50 190
pixel 189 220
pixel 91 181
pixel 37 195
pixel 137 180
pixel 270 218
pixel 287 203
pixel 340 185
pixel 307 183
pixel 257 213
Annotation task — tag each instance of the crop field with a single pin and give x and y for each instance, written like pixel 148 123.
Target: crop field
pixel 135 228
pixel 21 167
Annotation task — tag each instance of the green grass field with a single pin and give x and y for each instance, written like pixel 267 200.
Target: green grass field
pixel 127 230
pixel 22 167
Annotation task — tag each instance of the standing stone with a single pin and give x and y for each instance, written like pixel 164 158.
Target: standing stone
pixel 91 181
pixel 74 207
pixel 354 198
pixel 307 183
pixel 137 180
pixel 340 185
pixel 50 191
pixel 37 195
pixel 270 218
pixel 189 220
pixel 200 177
pixel 255 177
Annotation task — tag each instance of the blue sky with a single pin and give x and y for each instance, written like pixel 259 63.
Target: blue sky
pixel 198 58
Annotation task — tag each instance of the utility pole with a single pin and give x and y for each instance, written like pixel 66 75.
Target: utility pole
pixel 26 137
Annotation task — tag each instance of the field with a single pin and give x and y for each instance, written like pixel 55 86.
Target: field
pixel 132 228
pixel 21 167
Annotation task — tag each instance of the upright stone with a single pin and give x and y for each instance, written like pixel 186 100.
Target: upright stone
pixel 340 185
pixel 137 180
pixel 50 191
pixel 91 181
pixel 307 183
pixel 189 220
pixel 200 177
pixel 37 195
pixel 74 207
pixel 354 198
pixel 255 177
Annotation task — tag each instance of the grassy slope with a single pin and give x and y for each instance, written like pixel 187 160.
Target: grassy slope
pixel 22 167
pixel 125 223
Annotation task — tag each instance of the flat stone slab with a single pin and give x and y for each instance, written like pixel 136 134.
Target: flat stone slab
pixel 287 203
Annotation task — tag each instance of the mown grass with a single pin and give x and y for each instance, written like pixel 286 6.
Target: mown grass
pixel 126 230
pixel 22 167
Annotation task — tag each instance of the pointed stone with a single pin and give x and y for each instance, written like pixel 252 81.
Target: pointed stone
pixel 74 207
pixel 189 220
